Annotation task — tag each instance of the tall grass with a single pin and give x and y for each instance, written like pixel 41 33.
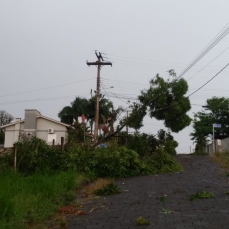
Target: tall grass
pixel 25 201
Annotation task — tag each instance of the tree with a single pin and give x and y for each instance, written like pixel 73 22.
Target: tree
pixel 5 118
pixel 164 100
pixel 217 112
pixel 70 114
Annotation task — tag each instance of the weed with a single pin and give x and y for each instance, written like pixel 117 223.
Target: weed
pixel 201 195
pixel 164 211
pixel 109 189
pixel 227 192
pixel 227 174
pixel 162 198
pixel 142 221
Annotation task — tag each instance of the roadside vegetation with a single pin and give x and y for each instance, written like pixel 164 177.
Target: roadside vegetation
pixel 223 160
pixel 46 179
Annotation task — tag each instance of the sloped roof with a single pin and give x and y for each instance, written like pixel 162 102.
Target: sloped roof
pixel 40 116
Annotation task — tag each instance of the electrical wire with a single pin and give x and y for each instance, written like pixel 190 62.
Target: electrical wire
pixel 45 88
pixel 205 51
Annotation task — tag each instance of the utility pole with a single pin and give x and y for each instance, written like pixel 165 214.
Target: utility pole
pixel 100 62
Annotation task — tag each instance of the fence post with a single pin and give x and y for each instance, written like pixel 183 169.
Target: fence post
pixel 15 157
pixel 62 143
pixel 53 143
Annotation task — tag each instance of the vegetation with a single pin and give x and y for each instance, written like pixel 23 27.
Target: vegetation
pixel 109 189
pixel 25 201
pixel 142 221
pixel 5 118
pixel 146 144
pixel 199 152
pixel 201 195
pixel 217 112
pixel 162 198
pixel 222 159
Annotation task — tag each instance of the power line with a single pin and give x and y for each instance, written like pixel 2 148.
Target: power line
pixel 46 88
pixel 209 80
pixel 205 50
pixel 208 63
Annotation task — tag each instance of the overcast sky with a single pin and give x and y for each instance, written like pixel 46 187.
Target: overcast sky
pixel 45 43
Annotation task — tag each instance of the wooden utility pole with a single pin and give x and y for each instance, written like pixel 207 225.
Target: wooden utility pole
pixel 100 62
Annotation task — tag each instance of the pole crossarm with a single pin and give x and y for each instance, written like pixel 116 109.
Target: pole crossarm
pixel 99 63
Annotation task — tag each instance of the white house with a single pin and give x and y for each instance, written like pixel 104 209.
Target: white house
pixel 37 125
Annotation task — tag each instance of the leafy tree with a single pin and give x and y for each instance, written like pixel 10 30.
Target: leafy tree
pixel 5 118
pixel 164 100
pixel 217 112
pixel 70 114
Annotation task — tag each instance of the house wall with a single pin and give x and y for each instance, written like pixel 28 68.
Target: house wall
pixel 12 134
pixel 42 131
pixel 225 144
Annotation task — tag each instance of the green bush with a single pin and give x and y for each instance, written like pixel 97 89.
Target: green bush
pixel 162 162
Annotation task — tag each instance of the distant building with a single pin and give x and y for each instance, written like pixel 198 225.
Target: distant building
pixel 37 125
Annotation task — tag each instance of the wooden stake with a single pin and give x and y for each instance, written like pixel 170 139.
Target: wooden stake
pixel 53 143
pixel 62 143
pixel 15 157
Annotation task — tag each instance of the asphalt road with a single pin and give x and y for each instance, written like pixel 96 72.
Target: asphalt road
pixel 140 199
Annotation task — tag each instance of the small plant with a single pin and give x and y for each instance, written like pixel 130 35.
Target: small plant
pixel 200 153
pixel 109 189
pixel 227 193
pixel 142 221
pixel 162 198
pixel 201 195
pixel 227 174
pixel 164 211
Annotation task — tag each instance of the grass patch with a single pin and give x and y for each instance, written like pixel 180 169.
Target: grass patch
pixel 142 221
pixel 201 195
pixel 29 200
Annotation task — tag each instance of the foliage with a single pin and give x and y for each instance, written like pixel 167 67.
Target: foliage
pixel 227 192
pixel 5 118
pixel 166 101
pixel 25 201
pixel 201 195
pixel 200 153
pixel 146 144
pixel 142 221
pixel 217 112
pixel 162 198
pixel 162 162
pixel 109 189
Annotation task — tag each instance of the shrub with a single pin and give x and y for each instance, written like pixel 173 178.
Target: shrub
pixel 162 162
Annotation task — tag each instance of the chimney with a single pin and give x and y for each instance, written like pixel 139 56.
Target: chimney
pixel 30 123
